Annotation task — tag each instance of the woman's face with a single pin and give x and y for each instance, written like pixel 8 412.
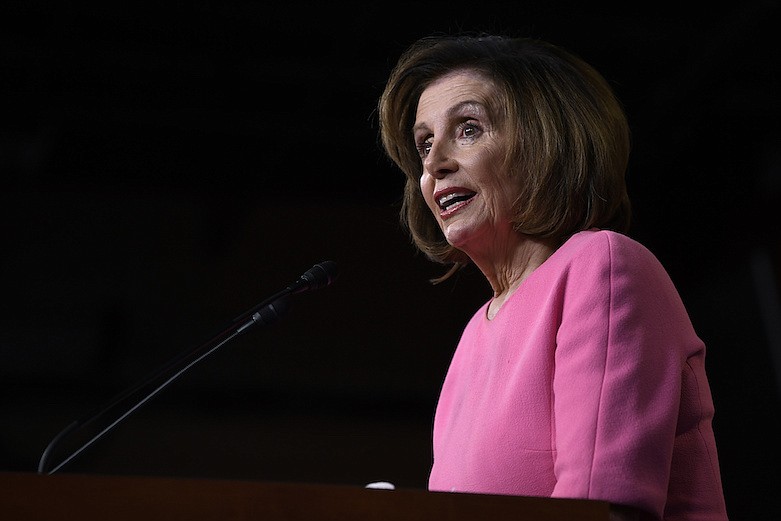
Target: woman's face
pixel 462 149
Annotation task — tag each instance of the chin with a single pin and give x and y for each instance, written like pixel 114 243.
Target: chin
pixel 457 236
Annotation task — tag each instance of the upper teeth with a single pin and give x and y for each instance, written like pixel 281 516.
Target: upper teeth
pixel 445 200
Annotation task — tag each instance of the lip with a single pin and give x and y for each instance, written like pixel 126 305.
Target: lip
pixel 449 212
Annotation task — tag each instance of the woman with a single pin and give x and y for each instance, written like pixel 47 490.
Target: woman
pixel 582 376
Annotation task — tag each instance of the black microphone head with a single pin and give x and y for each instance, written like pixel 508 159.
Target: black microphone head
pixel 320 275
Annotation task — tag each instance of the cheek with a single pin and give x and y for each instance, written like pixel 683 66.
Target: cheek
pixel 427 189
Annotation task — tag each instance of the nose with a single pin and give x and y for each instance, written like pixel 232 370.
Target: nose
pixel 440 161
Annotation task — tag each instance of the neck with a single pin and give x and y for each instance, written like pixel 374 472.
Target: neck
pixel 507 270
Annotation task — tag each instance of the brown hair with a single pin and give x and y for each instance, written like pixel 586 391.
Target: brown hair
pixel 569 133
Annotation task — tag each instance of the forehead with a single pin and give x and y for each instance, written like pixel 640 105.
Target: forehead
pixel 454 89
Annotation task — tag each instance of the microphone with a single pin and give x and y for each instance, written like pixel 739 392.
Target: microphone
pixel 318 276
pixel 123 405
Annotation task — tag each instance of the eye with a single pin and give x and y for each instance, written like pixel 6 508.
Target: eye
pixel 424 146
pixel 469 130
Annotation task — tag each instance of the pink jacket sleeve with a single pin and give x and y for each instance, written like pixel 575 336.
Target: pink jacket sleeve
pixel 621 349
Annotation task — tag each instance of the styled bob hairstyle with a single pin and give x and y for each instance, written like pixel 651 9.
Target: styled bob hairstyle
pixel 569 135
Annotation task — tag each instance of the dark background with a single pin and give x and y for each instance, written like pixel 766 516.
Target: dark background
pixel 166 167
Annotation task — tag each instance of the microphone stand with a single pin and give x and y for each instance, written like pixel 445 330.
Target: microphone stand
pixel 130 400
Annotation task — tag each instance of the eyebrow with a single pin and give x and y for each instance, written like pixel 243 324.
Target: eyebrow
pixel 458 107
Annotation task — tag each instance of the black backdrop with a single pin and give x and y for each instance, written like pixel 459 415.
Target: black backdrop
pixel 166 167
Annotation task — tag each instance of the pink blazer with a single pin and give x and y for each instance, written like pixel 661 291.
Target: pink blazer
pixel 589 383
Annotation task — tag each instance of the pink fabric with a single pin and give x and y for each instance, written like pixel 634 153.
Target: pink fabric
pixel 588 383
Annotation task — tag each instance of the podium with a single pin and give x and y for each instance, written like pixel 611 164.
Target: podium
pixel 33 497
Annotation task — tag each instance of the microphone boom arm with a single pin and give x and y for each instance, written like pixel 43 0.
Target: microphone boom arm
pixel 130 400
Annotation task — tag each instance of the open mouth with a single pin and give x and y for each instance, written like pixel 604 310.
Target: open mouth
pixel 452 200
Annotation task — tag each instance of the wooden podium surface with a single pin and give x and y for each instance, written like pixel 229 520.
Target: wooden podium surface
pixel 33 497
